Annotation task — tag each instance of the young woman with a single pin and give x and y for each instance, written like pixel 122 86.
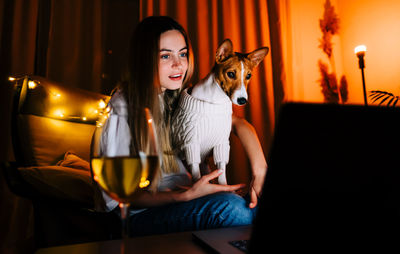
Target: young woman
pixel 160 66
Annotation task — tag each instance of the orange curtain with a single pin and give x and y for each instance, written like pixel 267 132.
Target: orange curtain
pixel 17 55
pixel 246 23
pixel 17 39
pixel 75 43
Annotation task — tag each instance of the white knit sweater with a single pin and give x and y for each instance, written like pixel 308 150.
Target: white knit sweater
pixel 199 128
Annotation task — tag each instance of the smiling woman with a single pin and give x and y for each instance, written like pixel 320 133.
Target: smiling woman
pixel 173 202
pixel 173 62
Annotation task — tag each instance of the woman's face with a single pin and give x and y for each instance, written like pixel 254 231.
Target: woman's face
pixel 173 61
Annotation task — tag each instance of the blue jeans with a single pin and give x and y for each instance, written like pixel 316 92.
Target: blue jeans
pixel 223 209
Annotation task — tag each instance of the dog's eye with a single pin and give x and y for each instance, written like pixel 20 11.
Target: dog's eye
pixel 248 76
pixel 231 74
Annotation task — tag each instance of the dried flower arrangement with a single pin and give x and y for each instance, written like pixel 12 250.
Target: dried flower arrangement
pixel 332 91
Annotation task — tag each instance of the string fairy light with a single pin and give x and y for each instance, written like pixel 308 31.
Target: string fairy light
pixel 98 112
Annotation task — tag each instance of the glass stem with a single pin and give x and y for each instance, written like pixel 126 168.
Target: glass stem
pixel 124 219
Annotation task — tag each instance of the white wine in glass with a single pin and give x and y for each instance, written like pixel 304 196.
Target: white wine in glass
pixel 123 175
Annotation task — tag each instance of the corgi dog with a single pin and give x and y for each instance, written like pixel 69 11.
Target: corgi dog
pixel 202 122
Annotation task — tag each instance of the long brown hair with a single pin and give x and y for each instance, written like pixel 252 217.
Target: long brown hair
pixel 141 86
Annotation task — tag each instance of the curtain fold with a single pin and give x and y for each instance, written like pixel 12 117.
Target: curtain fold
pixel 277 20
pixel 246 23
pixel 42 37
pixel 75 46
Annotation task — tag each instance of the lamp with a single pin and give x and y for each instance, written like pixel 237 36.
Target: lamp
pixel 360 52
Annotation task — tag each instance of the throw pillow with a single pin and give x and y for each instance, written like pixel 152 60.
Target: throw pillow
pixel 72 160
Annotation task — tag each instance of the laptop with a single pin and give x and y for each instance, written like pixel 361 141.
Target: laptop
pixel 333 180
pixel 231 240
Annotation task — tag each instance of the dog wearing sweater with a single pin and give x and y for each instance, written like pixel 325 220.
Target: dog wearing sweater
pixel 202 122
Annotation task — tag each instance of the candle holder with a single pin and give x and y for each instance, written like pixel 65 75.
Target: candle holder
pixel 360 52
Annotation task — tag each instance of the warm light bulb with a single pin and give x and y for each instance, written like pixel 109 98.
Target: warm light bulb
pixel 58 113
pixel 55 95
pixel 11 78
pixel 31 84
pixel 102 104
pixel 84 118
pixel 360 50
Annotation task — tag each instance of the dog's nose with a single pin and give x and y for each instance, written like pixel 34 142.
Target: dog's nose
pixel 241 101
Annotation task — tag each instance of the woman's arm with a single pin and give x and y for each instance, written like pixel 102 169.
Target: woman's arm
pixel 251 144
pixel 199 189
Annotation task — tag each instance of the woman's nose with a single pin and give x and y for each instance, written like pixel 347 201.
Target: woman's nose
pixel 176 62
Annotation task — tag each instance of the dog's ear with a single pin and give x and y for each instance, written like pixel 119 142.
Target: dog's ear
pixel 224 51
pixel 258 55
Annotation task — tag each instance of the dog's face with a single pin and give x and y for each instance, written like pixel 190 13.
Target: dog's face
pixel 233 70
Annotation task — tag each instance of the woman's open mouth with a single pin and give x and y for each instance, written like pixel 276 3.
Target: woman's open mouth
pixel 175 77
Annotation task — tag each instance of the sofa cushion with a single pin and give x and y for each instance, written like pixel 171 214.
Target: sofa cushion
pixel 45 140
pixel 61 183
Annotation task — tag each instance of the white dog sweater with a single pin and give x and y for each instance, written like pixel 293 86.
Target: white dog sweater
pixel 200 127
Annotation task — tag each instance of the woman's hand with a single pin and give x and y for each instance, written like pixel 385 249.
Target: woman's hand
pixel 199 189
pixel 248 136
pixel 203 187
pixel 256 186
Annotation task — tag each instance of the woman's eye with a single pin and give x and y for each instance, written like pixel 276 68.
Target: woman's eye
pixel 164 56
pixel 248 76
pixel 231 74
pixel 183 54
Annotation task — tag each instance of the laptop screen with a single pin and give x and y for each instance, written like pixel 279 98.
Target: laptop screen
pixel 331 169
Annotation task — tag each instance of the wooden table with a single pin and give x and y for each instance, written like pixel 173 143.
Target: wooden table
pixel 171 243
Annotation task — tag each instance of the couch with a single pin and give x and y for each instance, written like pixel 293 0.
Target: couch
pixel 52 127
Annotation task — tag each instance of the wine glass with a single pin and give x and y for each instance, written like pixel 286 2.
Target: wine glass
pixel 124 172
